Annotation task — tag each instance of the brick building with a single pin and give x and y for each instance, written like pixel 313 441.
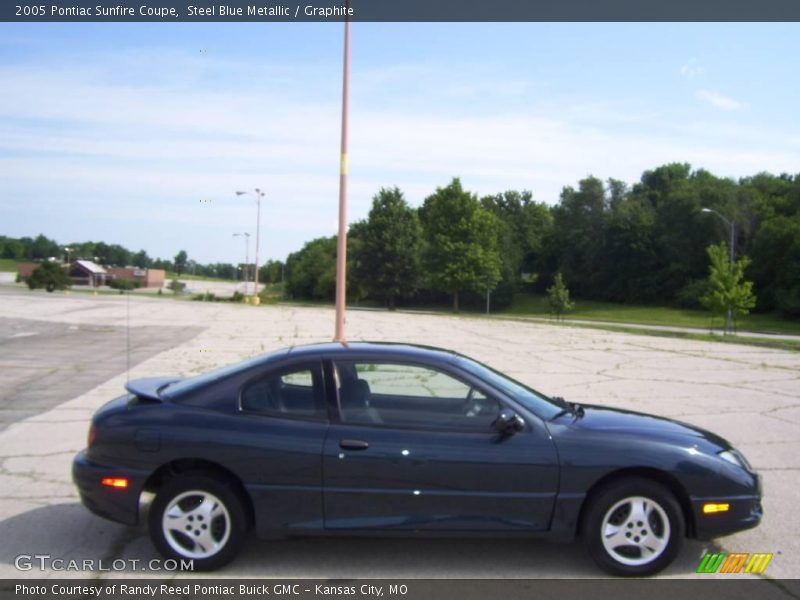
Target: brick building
pixel 144 277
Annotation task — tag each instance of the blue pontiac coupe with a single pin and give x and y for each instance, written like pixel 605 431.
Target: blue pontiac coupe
pixel 388 439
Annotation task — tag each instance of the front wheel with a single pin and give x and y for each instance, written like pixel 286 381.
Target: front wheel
pixel 634 527
pixel 200 518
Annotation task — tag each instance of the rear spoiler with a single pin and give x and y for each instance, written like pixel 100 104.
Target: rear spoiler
pixel 149 388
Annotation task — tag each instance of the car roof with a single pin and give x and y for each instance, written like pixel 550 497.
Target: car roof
pixel 374 350
pixel 332 350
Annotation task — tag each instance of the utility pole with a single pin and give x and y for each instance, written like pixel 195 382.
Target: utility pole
pixel 341 249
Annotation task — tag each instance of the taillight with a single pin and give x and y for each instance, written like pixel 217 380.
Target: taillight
pixel 92 437
pixel 116 482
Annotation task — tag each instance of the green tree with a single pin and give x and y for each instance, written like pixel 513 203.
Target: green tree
pixel 776 264
pixel 727 290
pixel 141 260
pixel 118 256
pixel 578 234
pixel 558 297
pixel 50 276
pixel 524 228
pixel 311 271
pixel 271 272
pixel 626 268
pixel 461 252
pixel 387 257
pixel 43 248
pixel 102 253
pixel 181 259
pixel 164 264
pixel 11 248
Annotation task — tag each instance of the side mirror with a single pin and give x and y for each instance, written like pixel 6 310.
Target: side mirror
pixel 508 422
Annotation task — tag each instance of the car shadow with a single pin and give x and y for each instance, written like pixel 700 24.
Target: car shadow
pixel 70 533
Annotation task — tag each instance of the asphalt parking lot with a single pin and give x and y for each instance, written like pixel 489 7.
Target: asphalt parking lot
pixel 43 364
pixel 749 395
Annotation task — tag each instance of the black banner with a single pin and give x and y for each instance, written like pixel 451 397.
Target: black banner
pixel 713 588
pixel 400 10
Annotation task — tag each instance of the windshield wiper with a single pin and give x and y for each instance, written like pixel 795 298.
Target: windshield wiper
pixel 567 408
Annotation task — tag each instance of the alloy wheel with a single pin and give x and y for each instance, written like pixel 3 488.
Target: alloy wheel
pixel 196 524
pixel 635 531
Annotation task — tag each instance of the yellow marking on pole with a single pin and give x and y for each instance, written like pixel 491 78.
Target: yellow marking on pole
pixel 343 165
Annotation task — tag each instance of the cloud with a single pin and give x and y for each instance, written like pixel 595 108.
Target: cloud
pixel 132 156
pixel 720 101
pixel 692 69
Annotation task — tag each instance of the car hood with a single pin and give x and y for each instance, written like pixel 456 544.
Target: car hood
pixel 615 421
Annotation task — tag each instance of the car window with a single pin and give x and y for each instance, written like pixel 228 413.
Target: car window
pixel 406 395
pixel 292 392
pixel 185 387
pixel 530 398
pixel 303 378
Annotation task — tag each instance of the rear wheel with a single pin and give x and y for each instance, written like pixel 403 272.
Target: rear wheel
pixel 198 517
pixel 634 527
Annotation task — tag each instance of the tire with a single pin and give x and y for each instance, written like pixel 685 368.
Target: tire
pixel 198 517
pixel 633 527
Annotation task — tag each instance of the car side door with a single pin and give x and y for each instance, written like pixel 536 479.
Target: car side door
pixel 280 429
pixel 413 447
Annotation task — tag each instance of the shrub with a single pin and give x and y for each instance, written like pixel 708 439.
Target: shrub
pixel 558 297
pixel 266 296
pixel 176 286
pixel 50 276
pixel 123 284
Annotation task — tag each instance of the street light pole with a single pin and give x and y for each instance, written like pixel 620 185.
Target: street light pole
pixel 732 226
pixel 246 257
pixel 341 248
pixel 258 195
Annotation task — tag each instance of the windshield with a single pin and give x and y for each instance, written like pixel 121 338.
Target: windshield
pixel 530 398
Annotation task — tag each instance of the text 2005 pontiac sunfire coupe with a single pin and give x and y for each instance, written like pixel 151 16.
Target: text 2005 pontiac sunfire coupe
pixel 386 439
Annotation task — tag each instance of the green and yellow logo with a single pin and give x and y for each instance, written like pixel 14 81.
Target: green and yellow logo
pixel 735 562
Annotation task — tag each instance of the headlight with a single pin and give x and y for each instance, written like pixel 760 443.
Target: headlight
pixel 735 458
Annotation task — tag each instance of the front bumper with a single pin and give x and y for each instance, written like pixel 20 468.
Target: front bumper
pixel 116 504
pixel 745 512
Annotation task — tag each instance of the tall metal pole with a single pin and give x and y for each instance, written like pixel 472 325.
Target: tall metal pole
pixel 259 195
pixel 733 241
pixel 341 249
pixel 246 257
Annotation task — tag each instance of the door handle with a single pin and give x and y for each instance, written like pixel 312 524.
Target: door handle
pixel 353 445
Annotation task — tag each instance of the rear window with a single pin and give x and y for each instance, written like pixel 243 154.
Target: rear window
pixel 290 392
pixel 191 384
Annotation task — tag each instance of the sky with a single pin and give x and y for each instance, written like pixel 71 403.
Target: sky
pixel 140 134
